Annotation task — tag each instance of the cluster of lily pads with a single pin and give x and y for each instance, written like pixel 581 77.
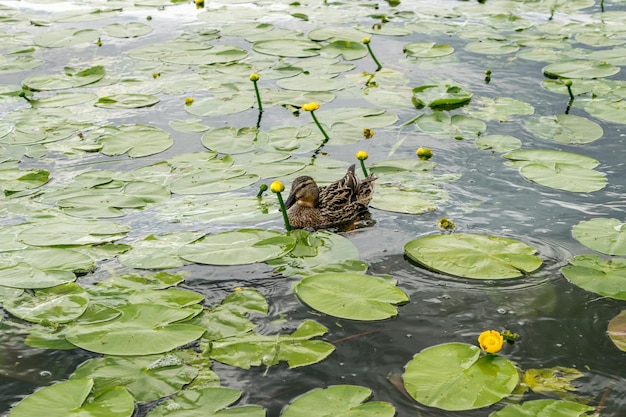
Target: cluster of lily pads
pixel 65 218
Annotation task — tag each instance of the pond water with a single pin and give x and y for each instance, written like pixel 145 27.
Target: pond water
pixel 559 324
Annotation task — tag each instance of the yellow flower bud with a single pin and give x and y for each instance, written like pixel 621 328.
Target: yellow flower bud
pixel 188 101
pixel 361 155
pixel 277 187
pixel 254 77
pixel 368 133
pixel 424 153
pixel 366 40
pixel 490 341
pixel 237 289
pixel 312 106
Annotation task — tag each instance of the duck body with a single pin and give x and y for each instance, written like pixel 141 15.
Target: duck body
pixel 310 206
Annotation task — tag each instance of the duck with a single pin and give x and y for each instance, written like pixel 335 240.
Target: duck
pixel 312 207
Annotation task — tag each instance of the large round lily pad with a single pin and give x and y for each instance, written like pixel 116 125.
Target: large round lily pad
pixel 454 376
pixel 545 408
pixel 474 256
pixel 604 277
pixel 607 236
pixel 351 296
pixel 239 247
pixel 206 402
pixel 60 304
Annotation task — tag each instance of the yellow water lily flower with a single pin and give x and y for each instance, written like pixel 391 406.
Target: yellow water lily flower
pixel 361 155
pixel 368 133
pixel 277 187
pixel 312 106
pixel 490 341
pixel 254 77
pixel 424 153
pixel 188 101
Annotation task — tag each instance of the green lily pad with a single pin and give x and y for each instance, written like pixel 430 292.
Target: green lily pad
pixel 580 69
pixel 127 101
pixel 66 37
pixel 427 49
pixel 14 180
pixel 141 329
pixel 498 108
pixel 73 77
pixel 348 50
pixel 128 30
pixel 63 99
pixel 358 116
pixel 72 233
pixel 492 47
pixel 498 143
pixel 351 296
pixel 457 126
pixel 230 140
pixel 440 96
pixel 565 128
pixel 211 181
pixel 205 402
pixel 158 252
pixel 9 65
pixel 607 236
pixel 147 378
pixel 592 273
pixel 252 349
pixel 293 48
pixel 135 140
pixel 610 110
pixel 474 256
pixel 239 247
pixel 545 408
pixel 455 377
pixel 222 105
pixel 60 304
pixel 402 201
pixel 338 400
pixel 617 330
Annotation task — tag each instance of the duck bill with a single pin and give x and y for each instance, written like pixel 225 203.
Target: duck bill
pixel 291 200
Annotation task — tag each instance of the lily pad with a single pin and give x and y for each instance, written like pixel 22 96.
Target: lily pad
pixel 565 128
pixel 66 37
pixel 141 329
pixel 592 273
pixel 239 247
pixel 427 49
pixel 127 101
pixel 127 30
pixel 580 69
pixel 69 399
pixel 498 143
pixel 457 126
pixel 293 48
pixel 158 252
pixel 73 77
pixel 72 233
pixel 231 140
pixel 402 201
pixel 336 400
pixel 498 108
pixel 455 377
pixel 205 402
pixel 440 96
pixel 351 296
pixel 348 50
pixel 474 256
pixel 135 140
pixel 607 236
pixel 610 110
pixel 60 304
pixel 617 330
pixel 545 408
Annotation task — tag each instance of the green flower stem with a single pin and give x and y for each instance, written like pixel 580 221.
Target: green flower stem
pixel 284 211
pixel 319 125
pixel 569 90
pixel 363 167
pixel 369 49
pixel 258 96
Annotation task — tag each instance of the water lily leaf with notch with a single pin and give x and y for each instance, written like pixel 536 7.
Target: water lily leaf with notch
pixel 135 140
pixel 82 15
pixel 457 126
pixel 455 377
pixel 498 143
pixel 521 157
pixel 165 51
pixel 156 281
pixel 592 273
pixel 492 47
pixel 391 166
pixel 344 400
pixel 147 378
pixel 231 140
pixel 292 139
pixel 158 252
pixel 206 402
pixel 551 381
pixel 141 329
pixel 580 69
pixel 412 201
pixel 427 49
pixel 222 105
pixel 314 83
pixel 565 128
pixel 609 110
pixel 189 126
pixel 498 108
pixel 63 99
pixel 607 236
pixel 14 180
pixel 60 304
pixel 128 30
pixel 351 296
pixel 9 65
pixel 348 50
pixel 440 97
pixel 238 247
pixel 293 48
pixel 69 399
pixel 66 37
pixel 617 330
pixel 72 233
pixel 211 181
pixel 358 116
pixel 474 256
pixel 127 101
pixel 330 34
pixel 545 408
pixel 171 297
pixel 385 30
pixel 73 77
pixel 252 349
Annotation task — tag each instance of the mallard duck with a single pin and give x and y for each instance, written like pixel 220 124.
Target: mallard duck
pixel 310 206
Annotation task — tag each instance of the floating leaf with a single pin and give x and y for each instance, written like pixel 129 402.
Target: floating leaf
pixel 617 330
pixel 60 304
pixel 127 101
pixel 230 140
pixel 545 408
pixel 440 97
pixel 457 126
pixel 607 236
pixel 239 247
pixel 474 256
pixel 349 50
pixel 127 30
pixel 63 99
pixel 293 48
pixel 72 77
pixel 492 47
pixel 455 377
pixel 135 140
pixel 147 378
pixel 141 329
pixel 69 399
pixel 552 381
pixel 565 128
pixel 71 233
pixel 253 349
pixel 609 110
pixel 498 108
pixel 66 37
pixel 580 69
pixel 592 273
pixel 14 180
pixel 205 402
pixel 211 181
pixel 351 296
pixel 336 400
pixel 427 49
pixel 402 201
pixel 222 105
pixel 158 252
pixel 498 143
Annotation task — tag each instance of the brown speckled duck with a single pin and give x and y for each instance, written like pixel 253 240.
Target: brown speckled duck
pixel 310 206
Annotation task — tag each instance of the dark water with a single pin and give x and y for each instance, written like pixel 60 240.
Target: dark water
pixel 559 324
